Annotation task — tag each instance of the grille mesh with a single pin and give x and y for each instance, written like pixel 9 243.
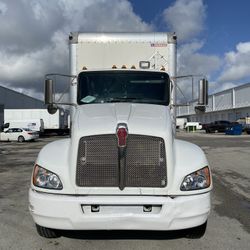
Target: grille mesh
pixel 145 162
pixel 98 161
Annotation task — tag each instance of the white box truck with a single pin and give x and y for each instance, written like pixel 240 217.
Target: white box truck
pixel 122 167
pixel 1 117
pixel 32 124
pixel 52 123
pixel 181 122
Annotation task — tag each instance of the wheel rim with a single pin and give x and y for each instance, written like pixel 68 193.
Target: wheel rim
pixel 20 139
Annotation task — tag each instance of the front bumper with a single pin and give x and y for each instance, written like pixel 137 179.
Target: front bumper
pixel 118 212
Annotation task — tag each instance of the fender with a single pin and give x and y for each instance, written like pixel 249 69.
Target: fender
pixel 188 158
pixel 55 158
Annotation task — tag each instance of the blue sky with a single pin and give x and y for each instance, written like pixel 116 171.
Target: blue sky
pixel 226 24
pixel 213 36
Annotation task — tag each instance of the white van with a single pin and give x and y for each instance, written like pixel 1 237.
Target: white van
pixel 180 123
pixel 34 124
pixel 193 124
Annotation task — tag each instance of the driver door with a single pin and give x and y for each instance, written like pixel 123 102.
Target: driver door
pixel 5 136
pixel 14 135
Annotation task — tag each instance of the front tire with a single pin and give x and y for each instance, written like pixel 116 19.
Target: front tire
pixel 197 232
pixel 47 232
pixel 21 138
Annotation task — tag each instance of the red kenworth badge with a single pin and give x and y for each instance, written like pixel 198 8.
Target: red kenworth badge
pixel 122 134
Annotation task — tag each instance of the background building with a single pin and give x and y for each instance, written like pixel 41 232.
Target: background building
pixel 10 99
pixel 230 104
pixel 1 114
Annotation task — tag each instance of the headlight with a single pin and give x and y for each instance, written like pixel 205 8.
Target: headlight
pixel 199 179
pixel 43 178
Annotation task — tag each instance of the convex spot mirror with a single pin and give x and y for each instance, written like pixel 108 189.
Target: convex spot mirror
pixel 52 108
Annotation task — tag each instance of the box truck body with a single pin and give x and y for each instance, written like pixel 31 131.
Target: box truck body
pixel 32 124
pixel 121 168
pixel 52 123
pixel 1 117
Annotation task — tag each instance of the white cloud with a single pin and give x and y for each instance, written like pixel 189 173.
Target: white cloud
pixel 217 87
pixel 34 34
pixel 186 18
pixel 191 61
pixel 237 64
pixel 3 8
pixel 34 38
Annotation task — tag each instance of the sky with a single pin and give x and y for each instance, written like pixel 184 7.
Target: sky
pixel 213 36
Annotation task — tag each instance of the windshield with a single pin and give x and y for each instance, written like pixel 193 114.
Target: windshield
pixel 27 129
pixel 123 86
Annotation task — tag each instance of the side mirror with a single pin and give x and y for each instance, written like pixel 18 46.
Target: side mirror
pixel 49 96
pixel 203 92
pixel 52 108
pixel 49 91
pixel 203 97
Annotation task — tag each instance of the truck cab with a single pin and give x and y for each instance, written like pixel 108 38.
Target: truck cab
pixel 122 167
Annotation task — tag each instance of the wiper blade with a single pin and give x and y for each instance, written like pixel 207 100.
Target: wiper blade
pixel 122 99
pixel 134 99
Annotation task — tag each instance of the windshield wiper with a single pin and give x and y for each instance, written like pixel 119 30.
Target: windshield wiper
pixel 134 99
pixel 122 99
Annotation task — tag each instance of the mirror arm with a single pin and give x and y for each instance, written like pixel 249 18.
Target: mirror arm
pixel 65 103
pixel 57 74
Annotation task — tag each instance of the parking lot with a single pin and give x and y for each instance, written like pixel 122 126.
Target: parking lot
pixel 228 225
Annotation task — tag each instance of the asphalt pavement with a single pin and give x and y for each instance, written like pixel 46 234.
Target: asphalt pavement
pixel 228 224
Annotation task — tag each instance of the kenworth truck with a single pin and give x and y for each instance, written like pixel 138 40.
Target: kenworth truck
pixel 121 168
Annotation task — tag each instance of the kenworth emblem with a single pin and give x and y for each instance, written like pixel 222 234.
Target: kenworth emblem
pixel 122 134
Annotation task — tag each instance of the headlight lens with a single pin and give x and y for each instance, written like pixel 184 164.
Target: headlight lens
pixel 43 178
pixel 199 179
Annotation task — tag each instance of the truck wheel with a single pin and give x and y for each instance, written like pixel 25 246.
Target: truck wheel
pixel 21 139
pixel 197 232
pixel 47 232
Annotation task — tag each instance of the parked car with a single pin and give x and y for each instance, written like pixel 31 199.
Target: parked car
pixel 217 126
pixel 247 130
pixel 18 134
pixel 197 125
pixel 33 124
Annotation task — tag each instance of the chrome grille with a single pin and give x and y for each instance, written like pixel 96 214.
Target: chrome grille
pixel 98 162
pixel 145 162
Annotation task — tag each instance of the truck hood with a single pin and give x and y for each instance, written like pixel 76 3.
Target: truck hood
pixel 140 118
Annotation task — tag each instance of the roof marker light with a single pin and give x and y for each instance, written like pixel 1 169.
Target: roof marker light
pixel 124 66
pixel 114 67
pixel 84 68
